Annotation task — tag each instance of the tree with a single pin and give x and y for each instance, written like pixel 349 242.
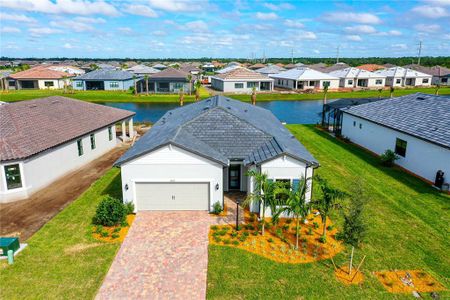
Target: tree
pixel 189 79
pixel 391 90
pixel 263 194
pixel 135 85
pixel 253 95
pixel 64 78
pixel 146 84
pixel 295 205
pixel 436 89
pixel 181 97
pixel 325 92
pixel 327 202
pixel 379 93
pixel 93 66
pixel 197 86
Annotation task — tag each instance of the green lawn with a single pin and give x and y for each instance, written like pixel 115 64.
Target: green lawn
pixel 62 260
pixel 408 223
pixel 119 96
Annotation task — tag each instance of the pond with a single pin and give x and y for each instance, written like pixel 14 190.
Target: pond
pixel 291 112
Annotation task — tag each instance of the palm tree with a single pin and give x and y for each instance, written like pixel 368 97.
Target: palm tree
pixel 135 85
pixel 181 97
pixel 295 205
pixel 325 92
pixel 327 202
pixel 189 79
pixel 436 90
pixel 379 93
pixel 146 84
pixel 264 193
pixel 391 90
pixel 64 78
pixel 197 86
pixel 254 95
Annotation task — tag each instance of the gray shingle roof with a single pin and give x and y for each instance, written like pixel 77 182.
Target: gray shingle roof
pixel 421 115
pixel 222 129
pixel 106 74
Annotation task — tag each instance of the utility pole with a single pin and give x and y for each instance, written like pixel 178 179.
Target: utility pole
pixel 419 52
pixel 264 57
pixel 292 55
pixel 337 54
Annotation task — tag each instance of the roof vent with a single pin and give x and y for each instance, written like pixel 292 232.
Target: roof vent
pixel 205 108
pixel 420 98
pixel 245 110
pixel 228 107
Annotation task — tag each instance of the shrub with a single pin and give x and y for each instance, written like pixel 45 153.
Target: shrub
pixel 251 218
pixel 114 236
pixel 129 208
pixel 99 229
pixel 270 240
pixel 104 233
pixel 246 233
pixel 239 227
pixel 316 225
pixel 330 227
pixel 217 239
pixel 288 221
pixel 234 234
pixel 117 229
pixel 214 227
pixel 110 212
pixel 388 158
pixel 217 208
pixel 250 227
pixel 235 242
pixel 323 239
pixel 226 228
pixel 255 233
pixel 226 241
pixel 279 233
pixel 221 232
pixel 124 223
pixel 243 238
pixel 310 231
pixel 285 227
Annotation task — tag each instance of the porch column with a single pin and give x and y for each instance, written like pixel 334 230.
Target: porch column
pixel 130 128
pixel 124 133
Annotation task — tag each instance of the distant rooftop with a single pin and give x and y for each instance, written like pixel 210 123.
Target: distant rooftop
pixel 355 73
pixel 303 74
pixel 242 74
pixel 106 74
pixel 401 72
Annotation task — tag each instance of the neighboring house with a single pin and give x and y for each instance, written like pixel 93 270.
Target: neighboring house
pixel 371 67
pixel 400 77
pixel 44 139
pixel 357 78
pixel 305 78
pixel 142 70
pixel 159 66
pixel 67 69
pixel 415 127
pixel 241 80
pixel 441 75
pixel 256 66
pixel 107 66
pixel 169 80
pixel 228 69
pixel 40 77
pixel 195 153
pixel 208 67
pixel 188 68
pixel 104 79
pixel 270 69
pixel 321 67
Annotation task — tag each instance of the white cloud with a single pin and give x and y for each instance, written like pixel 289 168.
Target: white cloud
pixel 360 29
pixel 316 51
pixel 353 38
pixel 293 23
pixel 159 33
pixel 90 20
pixel 429 28
pixel 266 16
pixel 176 5
pixel 81 7
pixel 73 25
pixel 348 17
pixel 38 32
pixel 7 29
pixel 439 2
pixel 141 10
pixel 196 26
pixel 280 6
pixel 432 12
pixel 395 32
pixel 16 17
pixel 309 35
pixel 127 30
pixel 447 36
pixel 399 46
pixel 68 46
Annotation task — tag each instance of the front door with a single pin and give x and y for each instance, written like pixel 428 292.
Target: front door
pixel 234 177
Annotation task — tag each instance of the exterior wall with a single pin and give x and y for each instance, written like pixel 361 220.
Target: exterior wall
pixel 422 158
pixel 290 84
pixel 229 86
pixel 392 81
pixel 124 85
pixel 172 164
pixel 443 80
pixel 284 83
pixel 41 170
pixel 57 84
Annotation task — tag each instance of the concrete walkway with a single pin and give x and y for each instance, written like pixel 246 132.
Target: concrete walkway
pixel 164 256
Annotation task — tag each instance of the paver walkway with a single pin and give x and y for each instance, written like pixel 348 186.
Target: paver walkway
pixel 164 256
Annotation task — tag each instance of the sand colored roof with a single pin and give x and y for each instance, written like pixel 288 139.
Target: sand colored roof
pixel 257 66
pixel 40 73
pixel 371 67
pixel 170 73
pixel 242 74
pixel 355 73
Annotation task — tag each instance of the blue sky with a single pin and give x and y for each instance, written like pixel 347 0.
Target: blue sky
pixel 202 28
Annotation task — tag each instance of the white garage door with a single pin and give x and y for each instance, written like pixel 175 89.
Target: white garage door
pixel 172 196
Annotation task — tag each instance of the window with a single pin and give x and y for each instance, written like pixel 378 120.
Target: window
pixel 425 80
pixel 13 178
pixel 350 81
pixel 177 85
pixel 444 80
pixel 114 84
pixel 238 85
pixel 92 137
pixel 400 147
pixel 80 147
pixel 49 83
pixel 79 84
pixel 325 83
pixel 110 133
pixel 378 81
pixel 252 84
pixel 398 81
pixel 360 125
pixel 354 123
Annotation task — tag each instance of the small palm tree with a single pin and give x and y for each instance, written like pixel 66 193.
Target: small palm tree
pixel 197 86
pixel 327 202
pixel 181 97
pixel 146 84
pixel 254 95
pixel 189 79
pixel 436 90
pixel 64 78
pixel 135 85
pixel 295 205
pixel 391 91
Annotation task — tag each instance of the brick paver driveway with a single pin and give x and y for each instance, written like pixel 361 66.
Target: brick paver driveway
pixel 164 256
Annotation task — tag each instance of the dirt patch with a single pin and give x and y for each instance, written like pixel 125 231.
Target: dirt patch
pixel 113 234
pixel 75 249
pixel 344 276
pixel 408 281
pixel 24 218
pixel 278 241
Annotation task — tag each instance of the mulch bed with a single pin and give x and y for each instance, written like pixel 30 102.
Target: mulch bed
pixel 343 275
pixel 419 281
pixel 120 231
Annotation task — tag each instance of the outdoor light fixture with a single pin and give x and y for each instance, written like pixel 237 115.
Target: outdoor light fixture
pixel 217 186
pixel 126 187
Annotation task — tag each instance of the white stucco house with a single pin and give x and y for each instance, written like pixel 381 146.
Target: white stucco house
pixel 40 77
pixel 195 153
pixel 358 78
pixel 303 78
pixel 105 79
pixel 401 77
pixel 241 80
pixel 44 139
pixel 416 127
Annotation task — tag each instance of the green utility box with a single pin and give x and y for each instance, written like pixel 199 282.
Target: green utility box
pixel 8 243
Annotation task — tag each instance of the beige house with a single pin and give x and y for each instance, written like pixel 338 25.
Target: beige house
pixel 241 80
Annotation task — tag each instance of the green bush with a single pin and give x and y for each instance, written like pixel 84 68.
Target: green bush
pixel 110 212
pixel 323 239
pixel 250 227
pixel 255 233
pixel 288 221
pixel 316 225
pixel 388 158
pixel 221 232
pixel 217 239
pixel 285 227
pixel 114 235
pixel 98 229
pixel 104 233
pixel 124 223
pixel 310 231
pixel 217 208
pixel 279 233
pixel 242 238
pixel 226 228
pixel 270 240
pixel 246 233
pixel 129 208
pixel 239 227
pixel 117 229
pixel 214 227
pixel 330 227
pixel 235 242
pixel 234 234
pixel 226 241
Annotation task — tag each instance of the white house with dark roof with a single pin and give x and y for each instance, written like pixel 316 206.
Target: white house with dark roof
pixel 400 77
pixel 195 153
pixel 241 80
pixel 305 78
pixel 270 70
pixel 104 79
pixel 358 78
pixel 142 70
pixel 44 139
pixel 416 127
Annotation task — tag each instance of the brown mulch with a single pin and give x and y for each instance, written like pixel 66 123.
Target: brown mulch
pixel 420 281
pixel 343 275
pixel 23 218
pixel 121 234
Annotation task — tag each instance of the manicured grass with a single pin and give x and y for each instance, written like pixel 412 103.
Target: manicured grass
pixel 62 260
pixel 119 96
pixel 408 229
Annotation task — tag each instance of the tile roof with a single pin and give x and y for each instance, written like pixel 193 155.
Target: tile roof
pixel 271 69
pixel 421 115
pixel 40 73
pixel 30 127
pixel 106 74
pixel 142 69
pixel 242 74
pixel 222 129
pixel 370 67
pixel 227 69
pixel 354 73
pixel 170 73
pixel 303 74
pixel 257 66
pixel 401 72
pixel 435 71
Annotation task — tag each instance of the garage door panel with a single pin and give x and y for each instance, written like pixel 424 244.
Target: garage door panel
pixel 172 196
